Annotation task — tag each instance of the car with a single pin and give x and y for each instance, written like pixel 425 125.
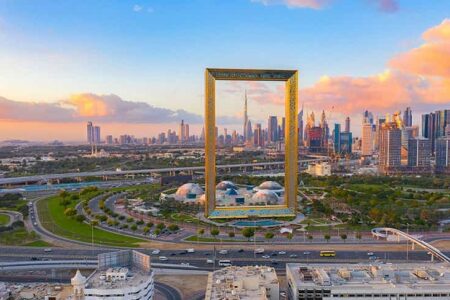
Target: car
pixel 274 262
pixel 35 224
pixel 274 254
pixel 265 256
pixel 369 253
pixel 223 252
pixel 293 255
pixel 259 250
pixel 182 252
pixel 173 254
pixel 184 264
pixel 241 250
pixel 281 252
pixel 156 252
pixel 48 250
pixel 306 253
pixel 373 257
pixel 163 258
pixel 209 261
pixel 190 250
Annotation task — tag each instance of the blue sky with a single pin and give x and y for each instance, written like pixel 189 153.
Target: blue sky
pixel 156 51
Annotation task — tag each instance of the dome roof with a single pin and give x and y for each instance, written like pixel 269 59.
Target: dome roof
pixel 270 185
pixel 224 185
pixel 189 188
pixel 78 279
pixel 267 196
pixel 231 192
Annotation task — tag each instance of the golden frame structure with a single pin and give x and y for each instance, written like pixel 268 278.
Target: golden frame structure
pixel 290 77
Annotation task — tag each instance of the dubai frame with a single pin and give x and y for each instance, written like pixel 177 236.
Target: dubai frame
pixel 290 77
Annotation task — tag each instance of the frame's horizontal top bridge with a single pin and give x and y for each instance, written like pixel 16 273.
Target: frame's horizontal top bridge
pixel 251 74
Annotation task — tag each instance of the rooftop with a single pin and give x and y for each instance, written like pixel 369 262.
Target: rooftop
pixel 243 283
pixel 134 277
pixel 384 277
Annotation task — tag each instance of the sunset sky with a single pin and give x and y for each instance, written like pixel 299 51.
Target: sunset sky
pixel 137 67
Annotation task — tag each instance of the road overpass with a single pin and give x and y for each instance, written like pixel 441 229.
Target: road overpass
pixel 105 174
pixel 384 232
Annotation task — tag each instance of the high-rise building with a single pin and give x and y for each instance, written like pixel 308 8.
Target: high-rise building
pixel 337 138
pixel 368 117
pixel 272 127
pixel 325 128
pixel 407 117
pixel 96 136
pixel 409 133
pixel 244 130
pixel 282 128
pixel 315 140
pixel 346 142
pixel 367 140
pixel 419 152
pixel 249 131
pixel 443 154
pixel 258 136
pixel 90 133
pixel 347 124
pixel 442 118
pixel 109 139
pixel 390 146
pixel 186 133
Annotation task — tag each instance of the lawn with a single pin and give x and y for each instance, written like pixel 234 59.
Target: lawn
pixel 194 238
pixel 38 243
pixel 4 219
pixel 51 215
pixel 18 236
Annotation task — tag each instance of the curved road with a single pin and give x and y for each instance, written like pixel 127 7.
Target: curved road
pixel 167 291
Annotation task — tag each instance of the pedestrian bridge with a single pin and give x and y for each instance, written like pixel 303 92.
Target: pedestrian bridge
pixel 384 232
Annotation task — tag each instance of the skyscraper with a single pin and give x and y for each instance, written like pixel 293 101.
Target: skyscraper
pixel 390 146
pixel 367 139
pixel 272 127
pixel 407 117
pixel 96 135
pixel 419 152
pixel 443 155
pixel 337 138
pixel 258 137
pixel 181 132
pixel 244 131
pixel 90 133
pixel 249 131
pixel 347 124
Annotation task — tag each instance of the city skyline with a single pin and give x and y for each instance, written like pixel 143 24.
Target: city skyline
pixel 37 102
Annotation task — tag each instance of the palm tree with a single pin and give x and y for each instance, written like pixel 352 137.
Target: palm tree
pixel 214 232
pixel 344 236
pixel 268 236
pixel 290 236
pixel 358 236
pixel 327 237
pixel 310 237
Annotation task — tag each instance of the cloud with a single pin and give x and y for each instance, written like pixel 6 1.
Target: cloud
pixel 137 8
pixel 31 111
pixel 387 6
pixel 432 58
pixel 313 4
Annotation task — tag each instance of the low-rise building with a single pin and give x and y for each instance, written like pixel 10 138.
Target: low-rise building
pixel 124 275
pixel 319 169
pixel 364 281
pixel 243 283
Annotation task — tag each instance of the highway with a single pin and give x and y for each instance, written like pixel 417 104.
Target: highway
pixel 47 177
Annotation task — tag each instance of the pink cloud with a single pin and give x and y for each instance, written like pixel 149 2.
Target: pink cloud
pixel 388 6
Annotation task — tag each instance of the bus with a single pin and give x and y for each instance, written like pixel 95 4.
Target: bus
pixel 328 253
pixel 224 263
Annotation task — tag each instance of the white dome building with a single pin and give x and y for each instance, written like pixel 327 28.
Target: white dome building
pixel 224 185
pixel 189 189
pixel 78 283
pixel 266 196
pixel 270 186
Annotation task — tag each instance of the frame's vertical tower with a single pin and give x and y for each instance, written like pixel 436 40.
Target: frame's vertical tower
pixel 291 131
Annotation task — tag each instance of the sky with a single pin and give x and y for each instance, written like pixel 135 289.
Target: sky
pixel 137 67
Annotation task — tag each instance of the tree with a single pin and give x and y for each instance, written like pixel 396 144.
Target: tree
pixel 69 212
pixel 269 235
pixel 290 236
pixel 64 202
pixel 214 232
pixel 149 224
pixel 134 227
pixel 310 237
pixel 327 237
pixel 146 229
pixel 173 227
pixel 358 236
pixel 94 223
pixel 161 226
pixel 231 234
pixel 248 232
pixel 344 237
pixel 157 231
pixel 80 218
pixel 63 194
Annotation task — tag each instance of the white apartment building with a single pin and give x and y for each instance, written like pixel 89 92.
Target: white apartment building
pixel 243 283
pixel 364 281
pixel 122 275
pixel 319 169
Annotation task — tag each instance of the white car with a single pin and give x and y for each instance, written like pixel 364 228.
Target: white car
pixel 369 253
pixel 163 258
pixel 223 252
pixel 184 264
pixel 282 252
pixel 259 251
pixel 265 256
pixel 48 250
pixel 190 250
pixel 156 252
pixel 209 261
